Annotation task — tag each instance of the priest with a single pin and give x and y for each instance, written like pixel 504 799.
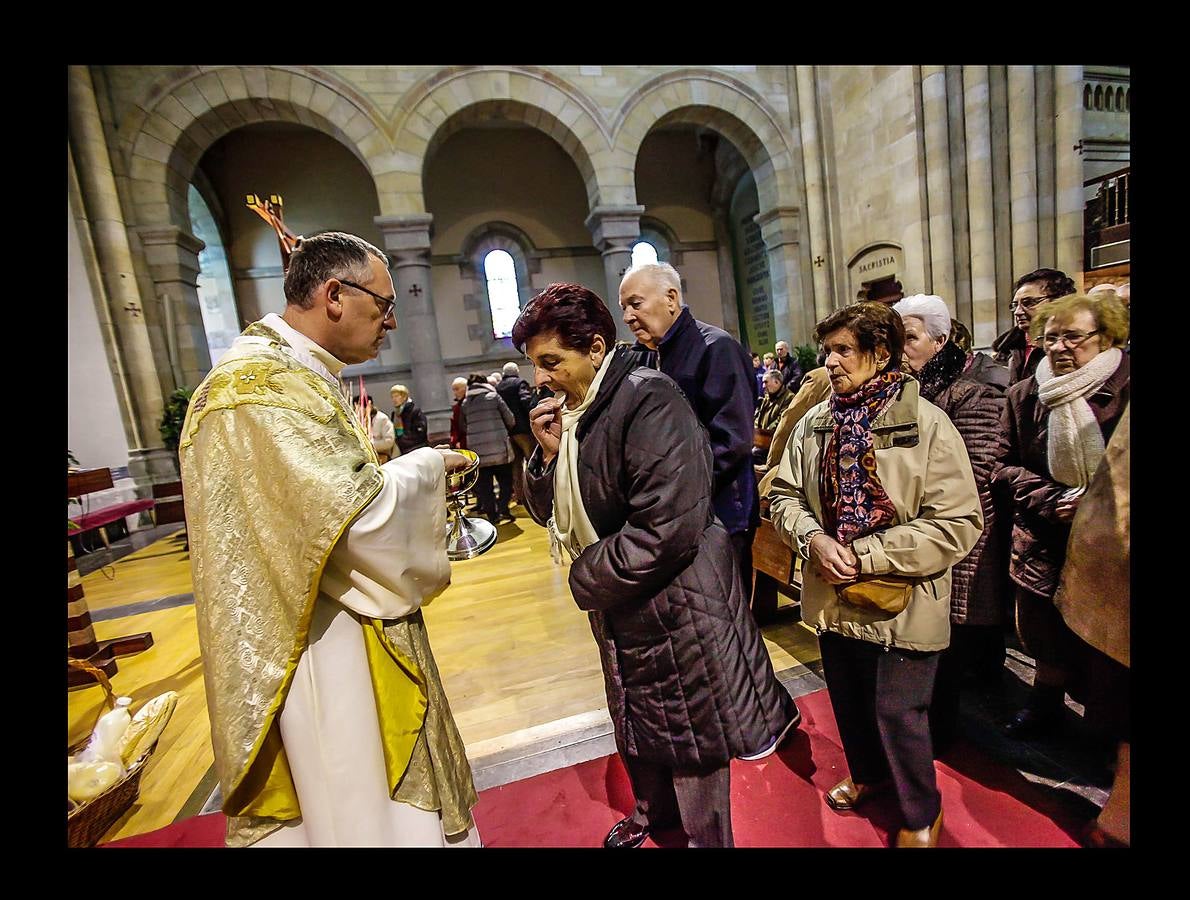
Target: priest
pixel 311 563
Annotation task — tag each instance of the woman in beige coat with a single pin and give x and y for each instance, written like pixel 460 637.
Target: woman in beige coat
pixel 875 492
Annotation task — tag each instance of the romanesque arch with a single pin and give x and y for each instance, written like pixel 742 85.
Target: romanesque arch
pixel 187 114
pixel 711 100
pixel 458 97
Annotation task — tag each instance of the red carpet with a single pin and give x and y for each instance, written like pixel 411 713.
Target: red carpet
pixel 776 802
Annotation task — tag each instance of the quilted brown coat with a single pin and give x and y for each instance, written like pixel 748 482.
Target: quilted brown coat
pixel 979 585
pixel 689 683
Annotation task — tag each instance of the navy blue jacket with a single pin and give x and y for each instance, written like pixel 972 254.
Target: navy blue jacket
pixel 716 375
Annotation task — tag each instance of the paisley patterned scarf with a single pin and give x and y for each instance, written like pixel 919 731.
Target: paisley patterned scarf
pixel 854 502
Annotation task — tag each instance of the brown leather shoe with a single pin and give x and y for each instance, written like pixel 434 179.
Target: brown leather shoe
pixel 626 833
pixel 922 837
pixel 848 795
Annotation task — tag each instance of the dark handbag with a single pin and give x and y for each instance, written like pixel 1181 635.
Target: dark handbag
pixel 880 593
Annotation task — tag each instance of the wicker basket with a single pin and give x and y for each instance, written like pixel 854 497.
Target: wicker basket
pixel 87 822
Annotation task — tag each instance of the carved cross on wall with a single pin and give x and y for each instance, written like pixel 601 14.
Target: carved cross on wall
pixel 133 308
pixel 819 261
pixel 415 291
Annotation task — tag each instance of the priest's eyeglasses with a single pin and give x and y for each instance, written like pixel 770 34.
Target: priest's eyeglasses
pixel 387 305
pixel 1027 303
pixel 1071 339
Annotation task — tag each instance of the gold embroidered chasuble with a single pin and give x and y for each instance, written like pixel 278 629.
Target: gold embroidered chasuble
pixel 275 469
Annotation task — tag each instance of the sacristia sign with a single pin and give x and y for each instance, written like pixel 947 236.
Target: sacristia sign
pixel 875 261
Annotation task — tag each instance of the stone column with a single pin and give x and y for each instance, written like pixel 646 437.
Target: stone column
pixel 407 241
pixel 820 254
pixel 614 229
pixel 938 196
pixel 781 229
pixel 97 187
pixel 1022 161
pixel 726 269
pixel 172 255
pixel 1068 194
pixel 979 204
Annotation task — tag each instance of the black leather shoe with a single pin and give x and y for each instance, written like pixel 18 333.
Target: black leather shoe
pixel 626 833
pixel 1031 721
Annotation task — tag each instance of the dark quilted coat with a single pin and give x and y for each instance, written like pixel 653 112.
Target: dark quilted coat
pixel 979 582
pixel 1038 537
pixel 689 683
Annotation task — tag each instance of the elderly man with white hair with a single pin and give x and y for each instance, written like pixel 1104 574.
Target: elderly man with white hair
pixel 977 590
pixel 517 396
pixel 787 365
pixel 715 373
pixel 458 434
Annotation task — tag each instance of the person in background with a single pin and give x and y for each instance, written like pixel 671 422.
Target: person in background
pixel 776 398
pixel 977 589
pixel 875 493
pixel 382 434
pixel 487 421
pixel 458 435
pixel 408 420
pixel 758 369
pixel 1013 348
pixel 1056 424
pixel 787 365
pixel 979 367
pixel 622 478
pixel 495 378
pixel 517 396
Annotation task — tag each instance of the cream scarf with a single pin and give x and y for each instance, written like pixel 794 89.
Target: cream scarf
pixel 1075 442
pixel 570 525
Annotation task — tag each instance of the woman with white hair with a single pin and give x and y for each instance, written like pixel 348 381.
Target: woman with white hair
pixel 978 581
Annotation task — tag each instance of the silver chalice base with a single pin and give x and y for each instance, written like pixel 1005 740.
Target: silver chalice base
pixel 467 538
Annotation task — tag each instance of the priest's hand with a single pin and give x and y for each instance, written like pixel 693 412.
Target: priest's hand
pixel 454 461
pixel 545 421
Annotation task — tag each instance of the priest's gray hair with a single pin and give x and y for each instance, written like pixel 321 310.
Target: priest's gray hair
pixel 511 368
pixel 663 275
pixel 930 309
pixel 332 254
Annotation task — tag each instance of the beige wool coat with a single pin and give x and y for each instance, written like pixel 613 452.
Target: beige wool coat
pixel 923 465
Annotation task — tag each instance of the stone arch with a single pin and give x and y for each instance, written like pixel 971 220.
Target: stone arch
pixel 1087 91
pixel 711 100
pixel 1099 96
pixel 1119 99
pixel 185 117
pixel 462 96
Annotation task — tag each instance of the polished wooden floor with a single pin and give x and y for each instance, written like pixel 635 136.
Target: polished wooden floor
pixel 513 650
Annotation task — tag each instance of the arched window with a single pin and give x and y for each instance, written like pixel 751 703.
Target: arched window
pixel 1099 96
pixel 643 253
pixel 1119 99
pixel 1087 97
pixel 503 297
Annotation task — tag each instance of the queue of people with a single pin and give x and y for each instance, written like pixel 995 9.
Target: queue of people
pixel 912 486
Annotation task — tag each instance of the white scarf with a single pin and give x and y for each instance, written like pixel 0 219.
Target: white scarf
pixel 571 526
pixel 1075 442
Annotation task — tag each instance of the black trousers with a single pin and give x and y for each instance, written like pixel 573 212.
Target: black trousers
pixel 975 649
pixel 881 701
pixel 489 505
pixel 700 800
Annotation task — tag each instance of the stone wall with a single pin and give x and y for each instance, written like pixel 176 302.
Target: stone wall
pixel 968 172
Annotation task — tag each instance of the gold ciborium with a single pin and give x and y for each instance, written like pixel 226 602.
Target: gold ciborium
pixel 465 538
